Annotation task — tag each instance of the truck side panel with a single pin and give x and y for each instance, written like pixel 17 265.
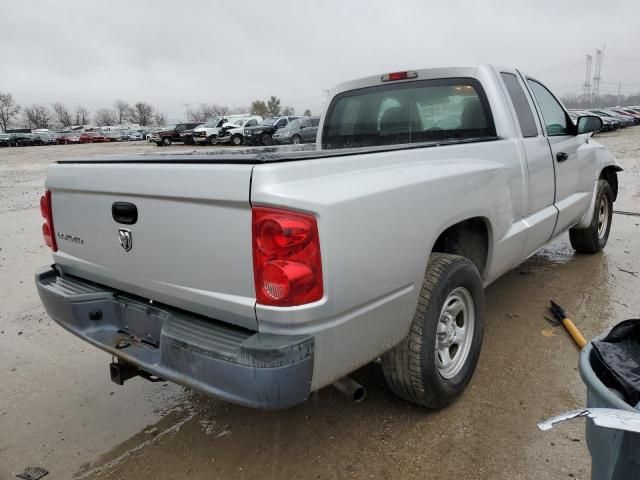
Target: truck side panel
pixel 377 227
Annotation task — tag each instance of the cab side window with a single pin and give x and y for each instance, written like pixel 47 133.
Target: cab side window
pixel 555 118
pixel 521 105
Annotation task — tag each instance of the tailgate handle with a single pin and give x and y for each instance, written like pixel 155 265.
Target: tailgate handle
pixel 124 212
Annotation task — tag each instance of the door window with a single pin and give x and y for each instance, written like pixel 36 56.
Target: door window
pixel 555 118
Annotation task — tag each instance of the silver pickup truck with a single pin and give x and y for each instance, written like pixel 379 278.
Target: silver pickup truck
pixel 262 276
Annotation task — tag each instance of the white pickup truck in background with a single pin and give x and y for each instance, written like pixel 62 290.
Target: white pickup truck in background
pixel 261 277
pixel 208 132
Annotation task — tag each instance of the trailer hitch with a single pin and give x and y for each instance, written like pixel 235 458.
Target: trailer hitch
pixel 122 371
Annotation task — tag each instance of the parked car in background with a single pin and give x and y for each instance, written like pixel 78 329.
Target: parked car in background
pixel 233 132
pixel 629 113
pixel 263 134
pixel 172 133
pixel 625 120
pixel 302 130
pixel 92 137
pixel 5 140
pixel 43 138
pixel 26 140
pixel 208 132
pixel 112 136
pixel 130 135
pixel 67 138
pixel 153 130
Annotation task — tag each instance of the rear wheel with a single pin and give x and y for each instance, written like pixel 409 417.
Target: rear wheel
pixel 594 238
pixel 166 141
pixel 435 362
pixel 236 140
pixel 267 140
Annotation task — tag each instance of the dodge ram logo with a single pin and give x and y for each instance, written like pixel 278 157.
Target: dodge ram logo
pixel 126 239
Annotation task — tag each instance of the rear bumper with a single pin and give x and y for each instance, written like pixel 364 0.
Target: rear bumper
pixel 238 365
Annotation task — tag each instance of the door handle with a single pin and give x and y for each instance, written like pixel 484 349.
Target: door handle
pixel 561 156
pixel 124 212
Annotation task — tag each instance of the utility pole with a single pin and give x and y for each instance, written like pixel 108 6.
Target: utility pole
pixel 587 80
pixel 619 93
pixel 596 76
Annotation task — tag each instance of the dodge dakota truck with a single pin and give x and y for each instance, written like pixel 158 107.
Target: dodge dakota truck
pixel 262 276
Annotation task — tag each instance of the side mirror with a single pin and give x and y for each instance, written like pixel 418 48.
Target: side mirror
pixel 589 123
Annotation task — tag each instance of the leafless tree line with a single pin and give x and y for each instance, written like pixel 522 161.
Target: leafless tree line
pixel 603 101
pixel 40 116
pixel 142 113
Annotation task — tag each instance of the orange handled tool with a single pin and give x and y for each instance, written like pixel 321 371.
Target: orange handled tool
pixel 560 315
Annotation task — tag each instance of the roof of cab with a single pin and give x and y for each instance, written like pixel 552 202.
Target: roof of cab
pixel 423 74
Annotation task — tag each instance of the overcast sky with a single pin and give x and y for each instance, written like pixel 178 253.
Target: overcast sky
pixel 169 53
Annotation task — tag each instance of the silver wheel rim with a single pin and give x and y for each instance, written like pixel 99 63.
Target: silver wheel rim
pixel 296 140
pixel 236 140
pixel 603 217
pixel 455 332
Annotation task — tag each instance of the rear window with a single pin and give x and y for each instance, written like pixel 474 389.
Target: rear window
pixel 409 112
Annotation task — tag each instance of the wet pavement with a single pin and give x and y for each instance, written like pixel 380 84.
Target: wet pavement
pixel 59 409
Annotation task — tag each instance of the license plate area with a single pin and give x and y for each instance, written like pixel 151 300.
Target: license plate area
pixel 141 321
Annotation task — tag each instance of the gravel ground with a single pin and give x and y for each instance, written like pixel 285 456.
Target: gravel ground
pixel 59 409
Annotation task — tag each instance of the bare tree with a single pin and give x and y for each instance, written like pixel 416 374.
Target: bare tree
pixel 159 118
pixel 258 107
pixel 273 105
pixel 82 115
pixel 307 113
pixel 9 109
pixel 105 116
pixel 63 114
pixel 122 110
pixel 221 110
pixel 288 110
pixel 141 113
pixel 37 116
pixel 206 111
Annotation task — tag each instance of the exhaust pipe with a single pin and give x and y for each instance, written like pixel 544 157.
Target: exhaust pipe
pixel 350 389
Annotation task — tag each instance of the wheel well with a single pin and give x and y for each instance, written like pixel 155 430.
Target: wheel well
pixel 469 238
pixel 609 174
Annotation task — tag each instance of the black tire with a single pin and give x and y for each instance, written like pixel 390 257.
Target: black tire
pixel 236 140
pixel 166 141
pixel 594 238
pixel 266 140
pixel 212 140
pixel 296 139
pixel 411 367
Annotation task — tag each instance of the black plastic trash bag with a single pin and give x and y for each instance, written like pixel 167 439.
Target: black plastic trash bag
pixel 616 360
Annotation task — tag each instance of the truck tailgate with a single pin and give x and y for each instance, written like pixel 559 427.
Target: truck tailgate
pixel 190 246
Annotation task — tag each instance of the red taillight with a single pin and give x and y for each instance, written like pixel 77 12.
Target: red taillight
pixel 286 257
pixel 392 77
pixel 47 227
